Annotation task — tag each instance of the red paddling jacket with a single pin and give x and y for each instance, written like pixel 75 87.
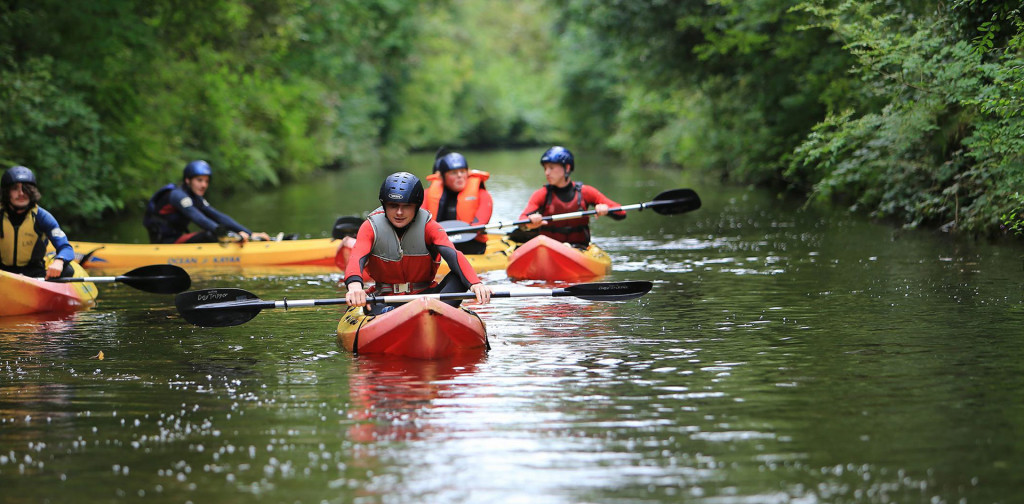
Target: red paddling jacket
pixel 404 264
pixel 550 200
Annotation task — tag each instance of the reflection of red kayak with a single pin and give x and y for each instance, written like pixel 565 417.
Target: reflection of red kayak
pixel 543 258
pixel 425 328
pixel 391 395
pixel 21 295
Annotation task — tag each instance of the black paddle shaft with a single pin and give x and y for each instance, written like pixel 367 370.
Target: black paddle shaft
pixel 230 307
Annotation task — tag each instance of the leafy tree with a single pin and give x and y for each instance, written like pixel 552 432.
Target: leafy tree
pixel 946 147
pixel 482 75
pixel 106 98
pixel 717 85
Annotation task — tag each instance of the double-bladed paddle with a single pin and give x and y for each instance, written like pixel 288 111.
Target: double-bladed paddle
pixel 231 307
pixel 671 202
pixel 155 278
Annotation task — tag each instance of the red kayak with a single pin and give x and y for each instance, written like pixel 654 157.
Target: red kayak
pixel 21 295
pixel 425 328
pixel 544 258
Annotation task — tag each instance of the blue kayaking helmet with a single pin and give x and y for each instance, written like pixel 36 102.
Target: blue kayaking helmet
pixel 197 168
pixel 559 155
pixel 452 161
pixel 17 174
pixel 402 187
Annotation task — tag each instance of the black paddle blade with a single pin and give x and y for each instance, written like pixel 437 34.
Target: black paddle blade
pixel 346 225
pixel 606 291
pixel 158 279
pixel 223 307
pixel 676 201
pixel 88 256
pixel 458 237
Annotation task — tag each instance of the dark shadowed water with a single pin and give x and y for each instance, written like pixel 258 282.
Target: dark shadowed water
pixel 784 355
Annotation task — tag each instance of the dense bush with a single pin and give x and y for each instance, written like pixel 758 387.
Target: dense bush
pixel 110 98
pixel 901 109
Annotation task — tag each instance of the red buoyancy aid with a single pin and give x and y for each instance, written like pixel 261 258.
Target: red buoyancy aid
pixel 395 260
pixel 570 230
pixel 468 202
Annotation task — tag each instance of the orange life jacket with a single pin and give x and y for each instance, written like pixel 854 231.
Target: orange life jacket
pixel 469 198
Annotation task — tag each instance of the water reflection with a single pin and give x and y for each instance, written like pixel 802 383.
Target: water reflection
pixel 35 324
pixel 392 396
pixel 784 355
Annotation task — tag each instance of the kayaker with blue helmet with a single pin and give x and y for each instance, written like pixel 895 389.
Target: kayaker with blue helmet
pixel 174 206
pixel 25 229
pixel 458 193
pixel 561 195
pixel 401 246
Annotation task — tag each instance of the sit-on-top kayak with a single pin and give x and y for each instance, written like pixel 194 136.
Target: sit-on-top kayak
pixel 21 295
pixel 424 328
pixel 313 252
pixel 544 258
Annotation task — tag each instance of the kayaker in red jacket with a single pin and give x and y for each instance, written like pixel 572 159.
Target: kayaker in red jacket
pixel 562 195
pixel 458 193
pixel 401 246
pixel 25 229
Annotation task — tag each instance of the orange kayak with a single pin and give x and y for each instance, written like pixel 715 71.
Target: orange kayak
pixel 21 295
pixel 544 258
pixel 424 328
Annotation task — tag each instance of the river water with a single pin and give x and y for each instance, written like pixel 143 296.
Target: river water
pixel 784 355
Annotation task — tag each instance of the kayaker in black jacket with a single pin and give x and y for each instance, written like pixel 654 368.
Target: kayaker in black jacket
pixel 25 229
pixel 173 207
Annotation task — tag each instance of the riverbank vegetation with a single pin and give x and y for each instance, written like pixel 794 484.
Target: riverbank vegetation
pixel 900 109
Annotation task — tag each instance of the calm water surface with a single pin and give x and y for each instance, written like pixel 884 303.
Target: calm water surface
pixel 784 355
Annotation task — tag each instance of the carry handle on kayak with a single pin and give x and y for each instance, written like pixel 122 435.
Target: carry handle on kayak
pixel 230 307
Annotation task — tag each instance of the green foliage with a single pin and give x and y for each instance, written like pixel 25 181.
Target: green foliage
pixel 1013 220
pixel 482 75
pixel 741 80
pixel 44 127
pixel 896 108
pixel 945 149
pixel 108 99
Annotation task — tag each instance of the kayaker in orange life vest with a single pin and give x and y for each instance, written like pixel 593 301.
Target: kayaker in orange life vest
pixel 173 207
pixel 25 227
pixel 401 246
pixel 457 193
pixel 562 195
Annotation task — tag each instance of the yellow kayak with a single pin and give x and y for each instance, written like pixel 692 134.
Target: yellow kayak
pixel 22 295
pixel 499 249
pixel 313 252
